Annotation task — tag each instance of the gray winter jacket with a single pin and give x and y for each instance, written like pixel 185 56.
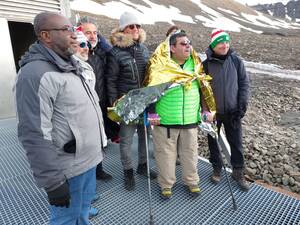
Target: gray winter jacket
pixel 56 105
pixel 230 82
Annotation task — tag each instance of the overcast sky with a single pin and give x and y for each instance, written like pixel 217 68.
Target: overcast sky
pixel 255 2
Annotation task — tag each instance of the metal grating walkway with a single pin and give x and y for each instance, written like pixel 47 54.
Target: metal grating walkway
pixel 21 202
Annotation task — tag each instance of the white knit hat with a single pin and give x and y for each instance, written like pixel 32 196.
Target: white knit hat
pixel 218 36
pixel 126 19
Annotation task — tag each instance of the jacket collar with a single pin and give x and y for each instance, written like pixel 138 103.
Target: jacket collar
pixel 39 52
pixel 122 40
pixel 210 54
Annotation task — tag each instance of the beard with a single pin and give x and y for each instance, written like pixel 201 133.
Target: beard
pixel 70 51
pixel 83 57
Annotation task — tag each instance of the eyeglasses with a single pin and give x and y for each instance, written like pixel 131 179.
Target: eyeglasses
pixel 185 43
pixel 85 44
pixel 132 26
pixel 69 29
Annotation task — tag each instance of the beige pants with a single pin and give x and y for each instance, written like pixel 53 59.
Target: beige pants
pixel 183 140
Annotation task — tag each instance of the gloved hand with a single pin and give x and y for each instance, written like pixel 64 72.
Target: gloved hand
pixel 242 111
pixel 235 119
pixel 60 196
pixel 153 119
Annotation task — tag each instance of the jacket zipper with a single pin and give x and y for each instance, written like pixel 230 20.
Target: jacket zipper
pixel 183 99
pixel 91 97
pixel 138 76
pixel 133 72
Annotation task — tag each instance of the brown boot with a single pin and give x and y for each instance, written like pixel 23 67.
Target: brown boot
pixel 216 176
pixel 238 176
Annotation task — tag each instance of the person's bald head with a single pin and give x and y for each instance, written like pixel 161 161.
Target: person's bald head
pixel 56 32
pixel 45 21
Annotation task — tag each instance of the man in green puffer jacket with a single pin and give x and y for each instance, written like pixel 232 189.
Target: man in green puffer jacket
pixel 178 110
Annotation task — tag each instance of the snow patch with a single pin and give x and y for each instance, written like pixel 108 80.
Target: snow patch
pixel 215 19
pixel 146 14
pixel 261 20
pixel 270 12
pixel 228 11
pixel 271 70
pixel 159 13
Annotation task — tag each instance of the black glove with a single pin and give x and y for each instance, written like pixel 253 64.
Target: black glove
pixel 60 196
pixel 242 111
pixel 235 119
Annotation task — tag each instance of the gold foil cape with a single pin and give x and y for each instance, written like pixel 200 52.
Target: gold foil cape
pixel 161 69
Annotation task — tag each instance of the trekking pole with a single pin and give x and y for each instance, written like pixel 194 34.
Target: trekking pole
pixel 151 222
pixel 226 174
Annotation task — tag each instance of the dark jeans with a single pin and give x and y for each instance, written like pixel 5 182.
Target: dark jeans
pixel 234 137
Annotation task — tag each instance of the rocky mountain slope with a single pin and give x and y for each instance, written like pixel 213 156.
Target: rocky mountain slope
pixel 271 126
pixel 290 10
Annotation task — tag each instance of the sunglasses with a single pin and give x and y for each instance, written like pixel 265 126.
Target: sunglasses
pixel 85 45
pixel 132 26
pixel 185 43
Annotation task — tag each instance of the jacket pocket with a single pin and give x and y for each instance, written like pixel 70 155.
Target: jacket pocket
pixel 70 147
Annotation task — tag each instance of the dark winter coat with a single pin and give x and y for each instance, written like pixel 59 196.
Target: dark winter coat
pixel 230 82
pixel 97 59
pixel 126 64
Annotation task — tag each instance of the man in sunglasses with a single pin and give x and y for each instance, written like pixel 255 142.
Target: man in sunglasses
pixel 97 59
pixel 230 85
pixel 59 124
pixel 178 110
pixel 126 65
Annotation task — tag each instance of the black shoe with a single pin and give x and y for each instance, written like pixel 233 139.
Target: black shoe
pixel 216 176
pixel 129 182
pixel 102 175
pixel 142 170
pixel 238 176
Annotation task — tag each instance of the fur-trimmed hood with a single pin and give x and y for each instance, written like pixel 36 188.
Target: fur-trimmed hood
pixel 122 40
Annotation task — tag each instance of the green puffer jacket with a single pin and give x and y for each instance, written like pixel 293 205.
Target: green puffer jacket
pixel 180 106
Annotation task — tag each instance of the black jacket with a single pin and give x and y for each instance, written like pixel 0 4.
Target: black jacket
pixel 97 59
pixel 230 82
pixel 126 65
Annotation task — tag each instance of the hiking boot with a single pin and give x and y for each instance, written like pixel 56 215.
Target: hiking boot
pixel 102 175
pixel 216 176
pixel 142 170
pixel 194 190
pixel 93 212
pixel 166 193
pixel 129 182
pixel 238 176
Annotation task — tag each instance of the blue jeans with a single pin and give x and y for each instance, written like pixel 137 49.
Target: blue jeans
pixel 82 190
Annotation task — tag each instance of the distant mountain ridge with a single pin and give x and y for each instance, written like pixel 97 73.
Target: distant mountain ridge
pixel 291 10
